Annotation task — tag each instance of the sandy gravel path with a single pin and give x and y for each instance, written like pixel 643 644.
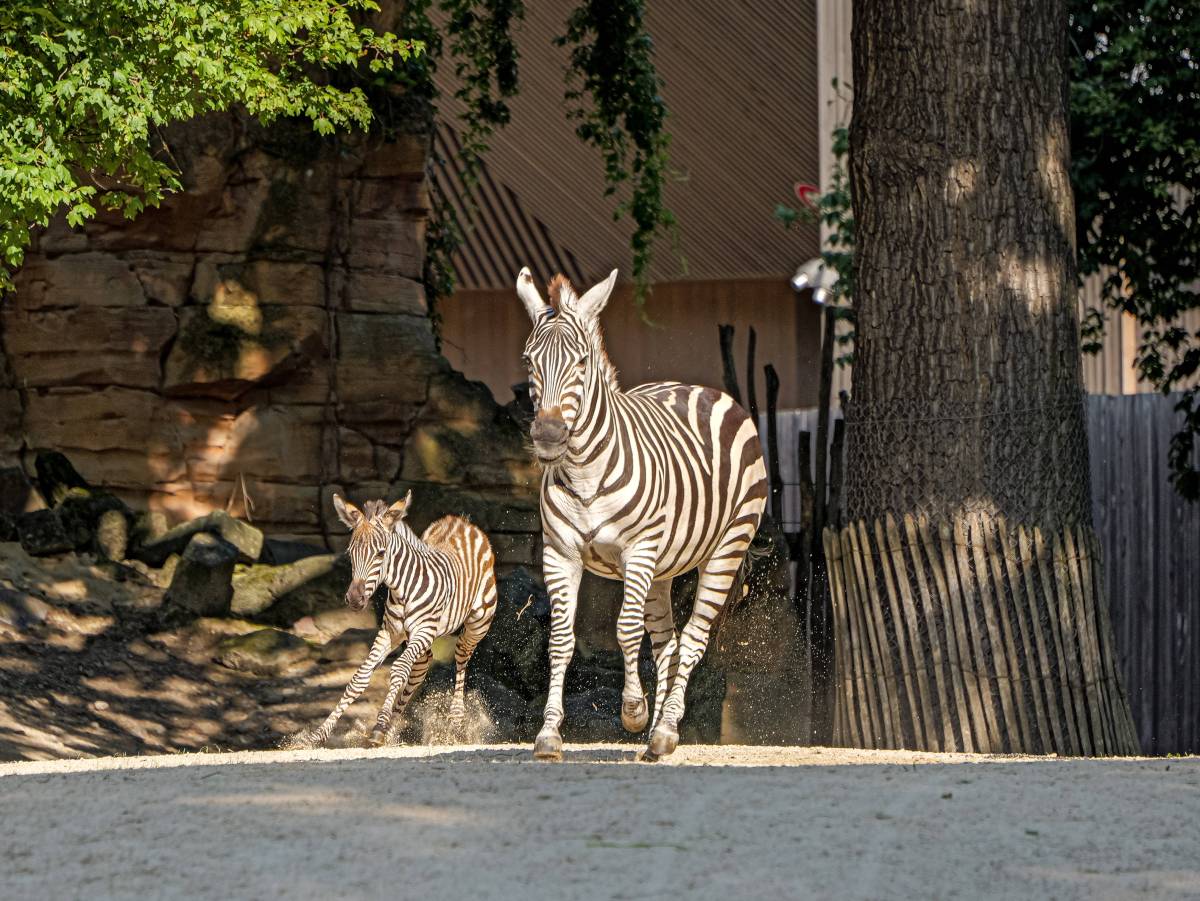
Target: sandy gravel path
pixel 486 822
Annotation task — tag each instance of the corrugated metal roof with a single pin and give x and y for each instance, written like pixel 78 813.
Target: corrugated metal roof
pixel 741 89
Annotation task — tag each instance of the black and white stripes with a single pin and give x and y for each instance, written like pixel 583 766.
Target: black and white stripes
pixel 639 485
pixel 439 583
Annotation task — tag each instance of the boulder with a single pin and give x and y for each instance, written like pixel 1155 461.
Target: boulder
pixel 80 510
pixel 203 580
pixel 266 652
pixel 17 494
pixel 515 651
pixel 308 587
pixel 281 551
pixel 56 476
pixel 41 533
pixel 8 527
pixel 352 646
pixel 246 539
pixel 329 624
pixel 112 535
pixel 594 715
pixel 255 588
pixel 507 708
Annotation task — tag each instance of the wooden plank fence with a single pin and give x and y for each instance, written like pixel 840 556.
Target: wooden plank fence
pixel 1148 539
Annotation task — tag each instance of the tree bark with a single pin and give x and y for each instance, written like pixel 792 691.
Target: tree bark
pixel 966 282
pixel 965 428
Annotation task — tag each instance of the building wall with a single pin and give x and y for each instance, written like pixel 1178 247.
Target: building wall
pixel 484 332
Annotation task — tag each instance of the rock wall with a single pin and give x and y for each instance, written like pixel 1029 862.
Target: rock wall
pixel 259 342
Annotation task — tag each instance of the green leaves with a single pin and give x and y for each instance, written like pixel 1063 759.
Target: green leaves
pixel 612 65
pixel 86 84
pixel 1135 88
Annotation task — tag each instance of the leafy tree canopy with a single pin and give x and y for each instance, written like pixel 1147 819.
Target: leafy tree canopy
pixel 1135 145
pixel 86 85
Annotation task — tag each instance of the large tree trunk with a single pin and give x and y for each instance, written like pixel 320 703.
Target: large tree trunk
pixel 966 584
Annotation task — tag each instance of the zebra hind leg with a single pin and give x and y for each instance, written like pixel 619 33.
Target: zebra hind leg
pixel 631 626
pixel 660 626
pixel 717 576
pixel 472 633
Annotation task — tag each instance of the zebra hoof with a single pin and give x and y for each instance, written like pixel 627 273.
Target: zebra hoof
pixel 634 715
pixel 377 738
pixel 548 747
pixel 663 740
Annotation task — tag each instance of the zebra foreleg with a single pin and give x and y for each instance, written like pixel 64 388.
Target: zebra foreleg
pixel 418 647
pixel 717 575
pixel 562 581
pixel 362 678
pixel 416 679
pixel 631 624
pixel 660 625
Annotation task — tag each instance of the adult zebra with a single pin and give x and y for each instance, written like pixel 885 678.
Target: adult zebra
pixel 639 485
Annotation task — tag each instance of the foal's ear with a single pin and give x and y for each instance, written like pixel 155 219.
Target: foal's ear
pixel 596 297
pixel 396 511
pixel 528 292
pixel 347 512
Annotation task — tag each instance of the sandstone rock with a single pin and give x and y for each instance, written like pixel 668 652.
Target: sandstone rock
pixel 226 348
pixel 202 583
pixel 516 649
pixel 17 494
pixel 164 278
pixel 383 360
pixel 368 292
pixel 8 527
pixel 41 533
pixel 255 588
pixel 77 280
pixel 266 652
pixel 109 419
pixel 112 535
pixel 106 347
pixel 462 436
pixel 245 538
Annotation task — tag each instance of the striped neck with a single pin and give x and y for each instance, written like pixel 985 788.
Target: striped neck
pixel 411 567
pixel 592 443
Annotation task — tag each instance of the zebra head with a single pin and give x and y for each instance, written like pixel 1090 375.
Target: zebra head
pixel 564 348
pixel 370 534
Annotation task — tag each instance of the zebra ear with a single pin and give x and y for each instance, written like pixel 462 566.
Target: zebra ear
pixel 596 297
pixel 397 511
pixel 527 291
pixel 347 513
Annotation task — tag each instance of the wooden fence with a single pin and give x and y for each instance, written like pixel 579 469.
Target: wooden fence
pixel 1149 544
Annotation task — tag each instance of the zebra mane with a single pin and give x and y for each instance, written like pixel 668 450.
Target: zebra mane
pixel 371 509
pixel 562 296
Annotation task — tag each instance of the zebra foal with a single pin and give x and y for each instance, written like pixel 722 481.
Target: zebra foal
pixel 639 485
pixel 440 583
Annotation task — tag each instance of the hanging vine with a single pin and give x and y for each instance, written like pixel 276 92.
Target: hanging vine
pixel 612 64
pixel 612 87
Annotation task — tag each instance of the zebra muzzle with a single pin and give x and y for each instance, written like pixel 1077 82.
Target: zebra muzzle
pixel 356 595
pixel 549 433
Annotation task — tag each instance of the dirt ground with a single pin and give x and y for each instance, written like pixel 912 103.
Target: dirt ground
pixel 89 670
pixel 487 822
